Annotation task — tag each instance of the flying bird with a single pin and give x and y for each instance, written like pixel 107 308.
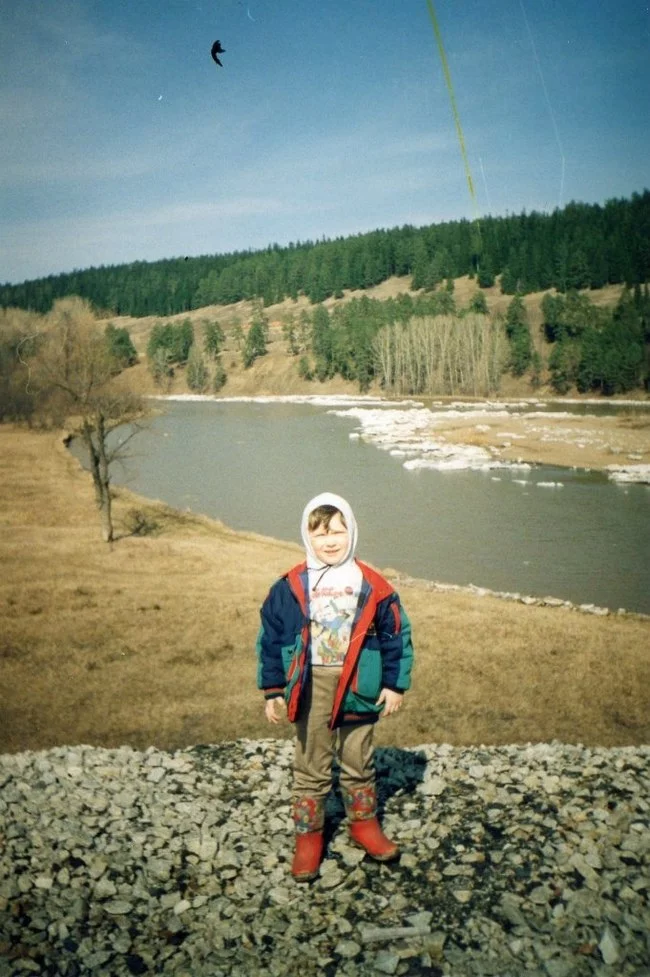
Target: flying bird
pixel 217 49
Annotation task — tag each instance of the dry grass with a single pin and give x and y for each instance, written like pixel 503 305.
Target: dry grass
pixel 151 640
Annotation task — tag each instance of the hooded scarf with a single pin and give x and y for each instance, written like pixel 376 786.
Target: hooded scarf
pixel 328 498
pixel 333 589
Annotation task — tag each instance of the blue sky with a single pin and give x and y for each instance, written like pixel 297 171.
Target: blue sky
pixel 122 140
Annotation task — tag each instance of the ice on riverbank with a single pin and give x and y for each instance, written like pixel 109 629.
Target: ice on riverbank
pixel 318 400
pixel 407 433
pixel 406 428
pixel 639 474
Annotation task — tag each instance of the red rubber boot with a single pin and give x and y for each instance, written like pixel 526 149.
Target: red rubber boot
pixel 364 827
pixel 307 856
pixel 368 834
pixel 308 817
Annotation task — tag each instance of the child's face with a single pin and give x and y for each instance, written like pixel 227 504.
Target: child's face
pixel 331 544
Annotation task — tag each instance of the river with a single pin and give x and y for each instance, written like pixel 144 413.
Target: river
pixel 254 466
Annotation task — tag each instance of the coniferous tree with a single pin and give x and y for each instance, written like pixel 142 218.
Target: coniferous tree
pixel 518 332
pixel 259 316
pixel 120 345
pixel 289 333
pixel 175 339
pixel 563 365
pixel 578 275
pixel 579 246
pixel 508 281
pixel 420 265
pixel 183 339
pixel 478 303
pixel 160 367
pixel 213 338
pixel 304 369
pixel 238 334
pixel 321 342
pixel 552 307
pixel 255 345
pixel 485 276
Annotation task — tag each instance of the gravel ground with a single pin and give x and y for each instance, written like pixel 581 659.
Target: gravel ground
pixel 516 860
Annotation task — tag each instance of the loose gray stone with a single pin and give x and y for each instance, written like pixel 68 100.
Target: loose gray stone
pixel 433 787
pixel 331 878
pixel 462 895
pixel 280 896
pixel 105 889
pixel 118 907
pixel 608 947
pixel 515 855
pixel 386 962
pixel 347 948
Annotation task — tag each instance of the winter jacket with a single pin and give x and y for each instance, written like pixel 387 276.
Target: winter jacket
pixel 379 656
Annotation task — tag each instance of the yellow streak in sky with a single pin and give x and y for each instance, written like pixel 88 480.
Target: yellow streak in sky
pixel 454 108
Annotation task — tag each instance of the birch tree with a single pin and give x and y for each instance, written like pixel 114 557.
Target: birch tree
pixel 441 354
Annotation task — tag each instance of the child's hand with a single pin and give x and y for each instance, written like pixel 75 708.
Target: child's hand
pixel 392 701
pixel 270 711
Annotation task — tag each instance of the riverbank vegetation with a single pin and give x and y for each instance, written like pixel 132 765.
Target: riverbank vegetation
pixel 150 640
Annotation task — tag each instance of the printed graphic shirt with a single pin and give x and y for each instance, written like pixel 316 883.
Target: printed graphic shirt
pixel 333 599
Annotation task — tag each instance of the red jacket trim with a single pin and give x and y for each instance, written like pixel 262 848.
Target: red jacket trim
pixel 380 588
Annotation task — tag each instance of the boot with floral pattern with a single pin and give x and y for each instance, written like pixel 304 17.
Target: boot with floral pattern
pixel 364 828
pixel 308 818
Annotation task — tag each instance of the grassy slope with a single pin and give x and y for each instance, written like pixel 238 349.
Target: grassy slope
pixel 278 372
pixel 151 640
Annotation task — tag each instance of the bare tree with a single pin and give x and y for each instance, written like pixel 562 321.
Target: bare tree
pixel 441 354
pixel 79 383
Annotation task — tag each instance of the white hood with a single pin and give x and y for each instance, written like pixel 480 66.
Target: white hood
pixel 328 498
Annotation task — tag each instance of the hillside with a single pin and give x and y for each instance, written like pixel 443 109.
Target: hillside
pixel 277 372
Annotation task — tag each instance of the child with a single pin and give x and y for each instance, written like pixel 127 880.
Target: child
pixel 335 648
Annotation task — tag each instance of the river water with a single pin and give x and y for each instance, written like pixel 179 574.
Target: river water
pixel 255 465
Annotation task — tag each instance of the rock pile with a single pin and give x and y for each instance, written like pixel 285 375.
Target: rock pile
pixel 557 602
pixel 516 860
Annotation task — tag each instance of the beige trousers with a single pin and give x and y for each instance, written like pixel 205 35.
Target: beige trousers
pixel 316 744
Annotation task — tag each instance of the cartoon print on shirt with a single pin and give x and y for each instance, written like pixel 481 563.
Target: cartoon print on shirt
pixel 332 612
